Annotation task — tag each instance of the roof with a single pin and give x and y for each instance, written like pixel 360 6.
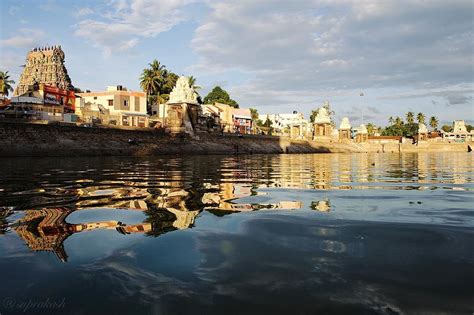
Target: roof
pixel 345 124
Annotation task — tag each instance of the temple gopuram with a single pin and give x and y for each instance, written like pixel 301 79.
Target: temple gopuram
pixel 46 66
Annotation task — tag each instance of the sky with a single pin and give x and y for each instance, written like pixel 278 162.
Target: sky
pixel 277 56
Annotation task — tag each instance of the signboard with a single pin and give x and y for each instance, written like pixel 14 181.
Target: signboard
pixel 60 97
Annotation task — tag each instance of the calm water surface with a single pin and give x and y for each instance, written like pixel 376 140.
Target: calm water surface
pixel 261 234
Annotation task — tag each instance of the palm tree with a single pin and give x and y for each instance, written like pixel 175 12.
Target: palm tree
pixel 192 84
pixel 421 118
pixel 157 67
pixel 434 122
pixel 5 83
pixel 398 121
pixel 149 84
pixel 390 120
pixel 410 117
pixel 160 73
pixel 371 128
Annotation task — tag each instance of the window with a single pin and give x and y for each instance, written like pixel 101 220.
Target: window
pixel 125 103
pixel 111 102
pixel 137 104
pixel 95 97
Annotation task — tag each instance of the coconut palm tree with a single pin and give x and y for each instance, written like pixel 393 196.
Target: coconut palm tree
pixel 159 73
pixel 410 116
pixel 192 84
pixel 150 85
pixel 421 118
pixel 5 83
pixel 434 122
pixel 149 82
pixel 157 67
pixel 398 121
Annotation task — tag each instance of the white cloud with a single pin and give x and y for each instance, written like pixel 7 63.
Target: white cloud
pixel 26 38
pixel 83 12
pixel 295 52
pixel 124 24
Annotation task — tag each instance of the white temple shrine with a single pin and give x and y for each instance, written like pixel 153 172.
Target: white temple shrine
pixel 362 134
pixel 459 133
pixel 183 109
pixel 182 92
pixel 322 122
pixel 345 129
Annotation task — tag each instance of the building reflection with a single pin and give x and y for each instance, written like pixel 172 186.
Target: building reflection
pixel 174 199
pixel 47 229
pixel 321 205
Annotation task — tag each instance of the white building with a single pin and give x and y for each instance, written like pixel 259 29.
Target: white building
pixel 125 108
pixel 295 125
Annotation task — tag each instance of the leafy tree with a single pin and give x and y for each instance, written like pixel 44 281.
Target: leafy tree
pixel 420 118
pixel 398 121
pixel 313 115
pixel 371 129
pixel 170 82
pixel 434 122
pixel 405 130
pixel 266 126
pixel 410 116
pixel 218 95
pixel 5 83
pixel 447 128
pixel 469 128
pixel 391 120
pixel 254 114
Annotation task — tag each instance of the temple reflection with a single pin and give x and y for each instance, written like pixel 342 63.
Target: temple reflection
pixel 172 195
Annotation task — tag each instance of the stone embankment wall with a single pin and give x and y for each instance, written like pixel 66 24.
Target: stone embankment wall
pixel 23 139
pixel 26 139
pixel 420 147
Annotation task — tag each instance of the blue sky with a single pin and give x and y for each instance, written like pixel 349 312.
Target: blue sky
pixel 274 55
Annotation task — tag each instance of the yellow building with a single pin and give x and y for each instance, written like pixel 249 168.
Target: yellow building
pixel 117 105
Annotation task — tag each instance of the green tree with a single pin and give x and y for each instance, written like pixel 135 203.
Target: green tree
pixel 391 120
pixel 254 114
pixel 170 82
pixel 447 128
pixel 5 83
pixel 218 95
pixel 313 115
pixel 150 84
pixel 267 126
pixel 192 84
pixel 420 118
pixel 398 121
pixel 410 117
pixel 434 122
pixel 371 129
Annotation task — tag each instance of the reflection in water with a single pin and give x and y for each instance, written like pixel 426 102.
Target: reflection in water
pixel 314 217
pixel 172 192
